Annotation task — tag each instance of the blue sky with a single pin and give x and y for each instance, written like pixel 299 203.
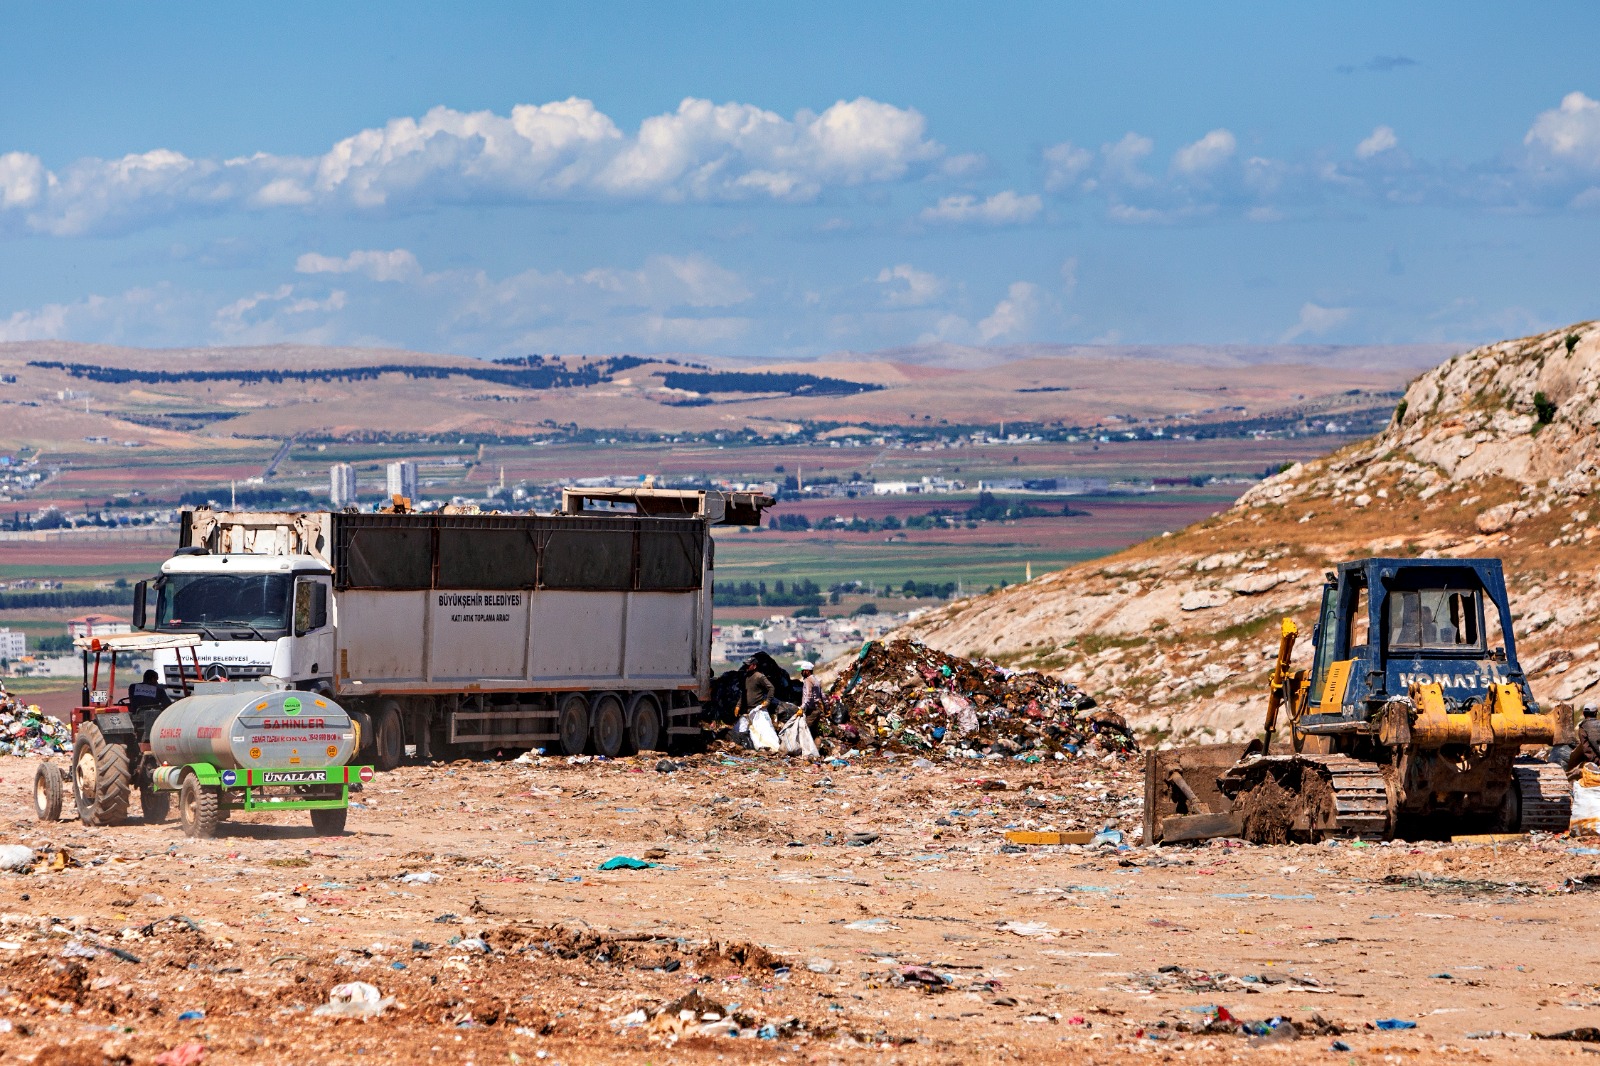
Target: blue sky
pixel 754 180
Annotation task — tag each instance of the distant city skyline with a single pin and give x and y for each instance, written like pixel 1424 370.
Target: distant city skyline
pixel 783 182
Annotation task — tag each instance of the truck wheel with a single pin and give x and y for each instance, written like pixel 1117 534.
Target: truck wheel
pixel 101 776
pixel 47 783
pixel 197 809
pixel 574 725
pixel 329 821
pixel 645 732
pixel 609 729
pixel 364 738
pixel 154 804
pixel 388 738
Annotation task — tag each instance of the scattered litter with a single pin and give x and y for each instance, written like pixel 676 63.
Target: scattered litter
pixel 421 879
pixel 626 862
pixel 192 1016
pixel 1030 929
pixel 355 999
pixel 26 730
pixel 1395 1023
pixel 189 1054
pixel 904 696
pixel 16 858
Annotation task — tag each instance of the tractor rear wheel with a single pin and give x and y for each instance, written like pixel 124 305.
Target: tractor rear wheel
pixel 102 777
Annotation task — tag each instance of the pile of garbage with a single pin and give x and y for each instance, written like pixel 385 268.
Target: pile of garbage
pixel 906 697
pixel 26 730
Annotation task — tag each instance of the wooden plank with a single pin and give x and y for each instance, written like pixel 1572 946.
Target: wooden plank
pixel 1028 836
pixel 1184 827
pixel 1489 838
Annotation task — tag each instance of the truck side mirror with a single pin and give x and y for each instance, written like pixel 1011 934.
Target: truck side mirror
pixel 139 612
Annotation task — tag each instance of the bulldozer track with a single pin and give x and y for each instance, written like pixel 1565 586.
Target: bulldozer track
pixel 1546 796
pixel 1360 796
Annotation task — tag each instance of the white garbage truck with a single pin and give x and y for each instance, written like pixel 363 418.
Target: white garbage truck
pixel 586 630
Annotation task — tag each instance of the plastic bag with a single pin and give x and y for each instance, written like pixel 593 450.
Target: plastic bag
pixel 762 735
pixel 961 711
pixel 796 738
pixel 1585 807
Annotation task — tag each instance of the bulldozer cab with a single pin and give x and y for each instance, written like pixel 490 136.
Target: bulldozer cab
pixel 1386 624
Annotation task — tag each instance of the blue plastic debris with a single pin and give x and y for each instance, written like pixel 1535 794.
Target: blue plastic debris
pixel 1395 1023
pixel 626 862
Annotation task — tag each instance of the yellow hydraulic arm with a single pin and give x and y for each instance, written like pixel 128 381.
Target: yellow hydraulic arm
pixel 1280 681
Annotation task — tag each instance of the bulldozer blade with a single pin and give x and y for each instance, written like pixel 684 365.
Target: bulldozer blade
pixel 1181 828
pixel 1197 768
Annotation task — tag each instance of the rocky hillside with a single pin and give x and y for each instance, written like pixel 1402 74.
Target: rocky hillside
pixel 1493 453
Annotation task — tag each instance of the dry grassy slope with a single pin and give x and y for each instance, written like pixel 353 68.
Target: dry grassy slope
pixel 1181 630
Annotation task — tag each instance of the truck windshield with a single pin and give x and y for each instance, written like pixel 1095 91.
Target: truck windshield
pixel 1439 619
pixel 212 601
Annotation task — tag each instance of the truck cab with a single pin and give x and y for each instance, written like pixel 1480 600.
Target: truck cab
pixel 256 615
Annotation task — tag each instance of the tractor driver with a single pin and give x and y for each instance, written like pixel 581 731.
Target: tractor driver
pixel 147 693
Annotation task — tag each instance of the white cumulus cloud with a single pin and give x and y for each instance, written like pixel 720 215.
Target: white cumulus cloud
pixel 909 287
pixel 395 265
pixel 1314 321
pixel 1013 315
pixel 563 150
pixel 1005 208
pixel 1380 140
pixel 1206 154
pixel 1569 133
pixel 1064 164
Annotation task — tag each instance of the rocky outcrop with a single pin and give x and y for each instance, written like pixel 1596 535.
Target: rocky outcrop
pixel 1494 452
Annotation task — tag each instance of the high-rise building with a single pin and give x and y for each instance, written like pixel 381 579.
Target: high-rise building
pixel 13 644
pixel 341 485
pixel 403 479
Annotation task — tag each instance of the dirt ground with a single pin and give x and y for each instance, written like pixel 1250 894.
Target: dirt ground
pixel 470 893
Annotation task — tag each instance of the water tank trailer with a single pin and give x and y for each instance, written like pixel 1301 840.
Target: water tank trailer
pixel 223 747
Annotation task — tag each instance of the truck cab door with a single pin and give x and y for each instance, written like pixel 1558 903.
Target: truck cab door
pixel 312 657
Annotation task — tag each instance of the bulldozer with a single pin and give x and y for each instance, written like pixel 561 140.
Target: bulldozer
pixel 1411 721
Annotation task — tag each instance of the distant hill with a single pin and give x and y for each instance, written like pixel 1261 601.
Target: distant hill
pixel 54 391
pixel 1495 452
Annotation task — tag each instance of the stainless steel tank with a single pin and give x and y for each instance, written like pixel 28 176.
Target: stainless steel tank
pixel 252 725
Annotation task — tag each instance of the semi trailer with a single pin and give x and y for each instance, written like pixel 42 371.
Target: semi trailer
pixel 585 630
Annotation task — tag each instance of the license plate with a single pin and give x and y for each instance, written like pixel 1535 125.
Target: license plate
pixel 114 722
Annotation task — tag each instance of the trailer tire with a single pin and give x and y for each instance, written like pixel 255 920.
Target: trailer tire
pixel 610 728
pixel 644 724
pixel 154 804
pixel 573 725
pixel 101 777
pixel 388 738
pixel 197 809
pixel 47 782
pixel 329 821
